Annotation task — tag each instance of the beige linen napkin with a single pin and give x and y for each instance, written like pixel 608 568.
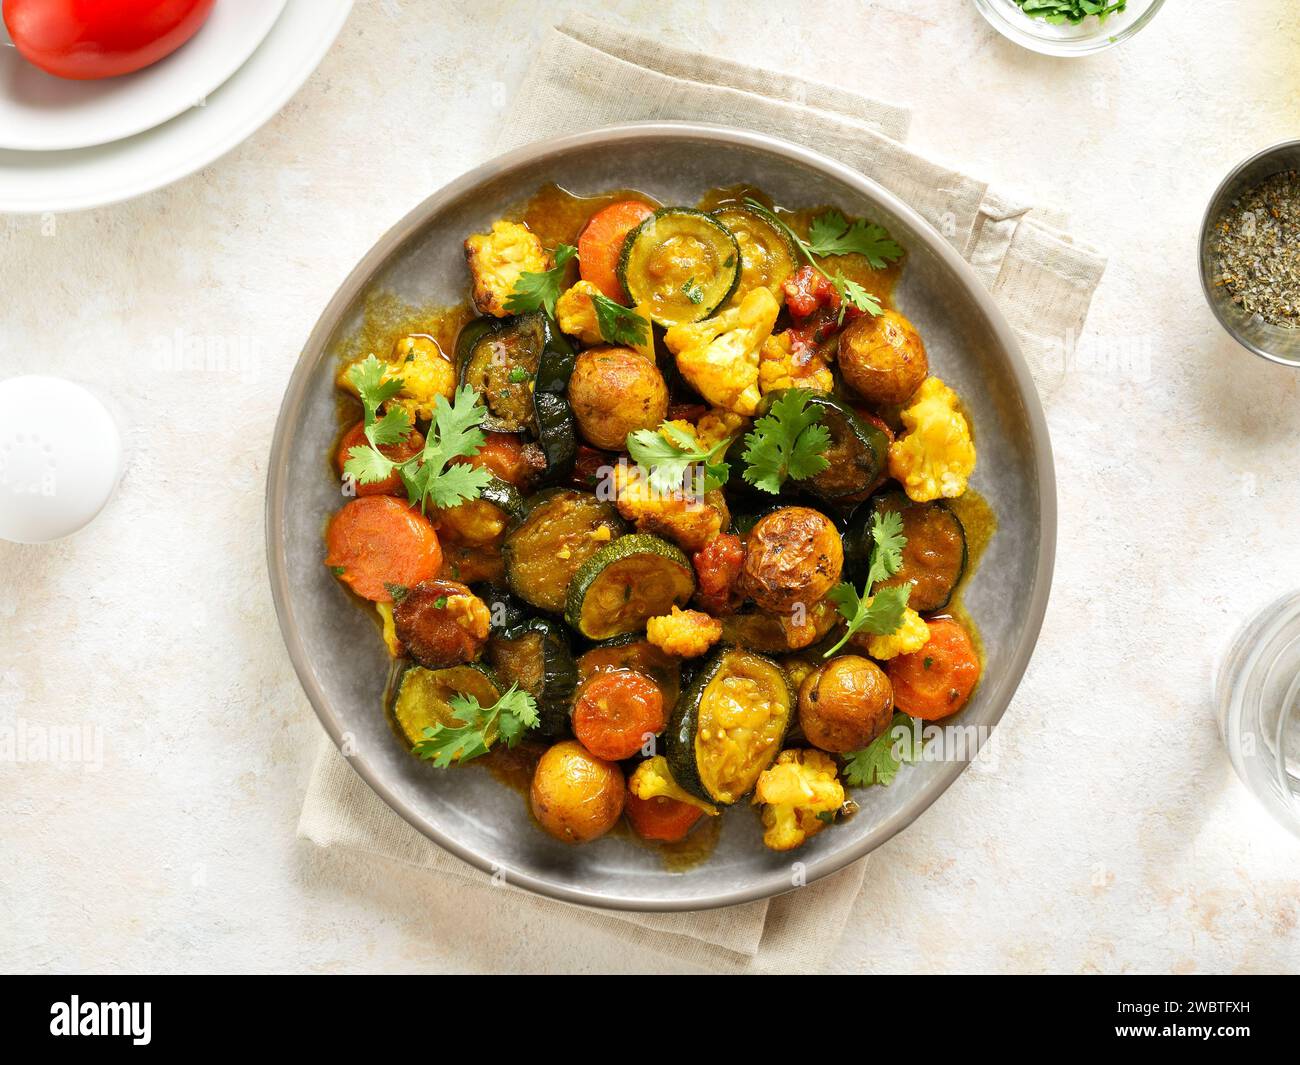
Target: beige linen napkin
pixel 589 75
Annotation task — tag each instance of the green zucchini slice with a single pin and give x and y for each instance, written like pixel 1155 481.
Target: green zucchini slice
pixel 934 557
pixel 729 725
pixel 505 497
pixel 424 697
pixel 505 360
pixel 557 435
pixel 679 265
pixel 562 530
pixel 767 256
pixel 536 656
pixel 623 584
pixel 634 652
pixel 858 451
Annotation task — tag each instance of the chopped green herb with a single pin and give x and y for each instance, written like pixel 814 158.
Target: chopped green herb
pixel 1058 11
pixel 508 718
pixel 536 292
pixel 619 324
pixel 788 441
pixel 880 614
pixel 666 453
pixel 880 761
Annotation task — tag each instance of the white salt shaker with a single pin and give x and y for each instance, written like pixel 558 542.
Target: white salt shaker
pixel 60 458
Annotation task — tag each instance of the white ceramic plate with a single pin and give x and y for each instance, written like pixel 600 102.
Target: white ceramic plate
pixel 39 112
pixel 33 182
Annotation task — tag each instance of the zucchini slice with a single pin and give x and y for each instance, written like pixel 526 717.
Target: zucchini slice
pixel 562 530
pixel 638 654
pixel 536 656
pixel 857 454
pixel 679 265
pixel 557 435
pixel 729 725
pixel 506 359
pixel 934 557
pixel 424 697
pixel 767 256
pixel 623 584
pixel 505 497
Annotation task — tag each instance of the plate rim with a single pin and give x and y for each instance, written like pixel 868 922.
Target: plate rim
pixel 768 885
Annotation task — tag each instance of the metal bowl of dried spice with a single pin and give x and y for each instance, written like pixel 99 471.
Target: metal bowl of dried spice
pixel 1250 254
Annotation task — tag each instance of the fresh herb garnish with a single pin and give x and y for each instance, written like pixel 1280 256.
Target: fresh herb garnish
pixel 508 718
pixel 788 441
pixel 692 291
pixel 666 453
pixel 880 761
pixel 453 433
pixel 880 614
pixel 535 292
pixel 831 234
pixel 518 375
pixel 850 292
pixel 1058 11
pixel 619 324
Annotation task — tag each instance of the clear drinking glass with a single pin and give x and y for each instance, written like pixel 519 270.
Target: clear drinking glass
pixel 1257 691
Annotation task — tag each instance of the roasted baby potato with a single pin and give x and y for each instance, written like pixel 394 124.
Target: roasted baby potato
pixel 576 796
pixel 845 704
pixel 441 623
pixel 882 358
pixel 794 555
pixel 615 391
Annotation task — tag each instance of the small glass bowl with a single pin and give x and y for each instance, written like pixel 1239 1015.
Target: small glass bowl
pixel 1257 692
pixel 1067 39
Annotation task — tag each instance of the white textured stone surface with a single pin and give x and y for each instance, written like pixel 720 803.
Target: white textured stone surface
pixel 1109 835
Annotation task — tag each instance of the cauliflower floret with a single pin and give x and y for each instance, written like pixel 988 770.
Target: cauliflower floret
pixel 577 316
pixel 652 778
pixel 685 519
pixel 911 635
pixel 719 356
pixel 936 455
pixel 497 259
pixel 426 372
pixel 784 364
pixel 686 633
pixel 794 790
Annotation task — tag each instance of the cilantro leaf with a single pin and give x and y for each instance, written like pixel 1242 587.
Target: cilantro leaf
pixel 880 761
pixel 888 542
pixel 534 292
pixel 668 452
pixel 367 465
pixel 508 718
pixel 692 291
pixel 849 291
pixel 788 441
pixel 619 324
pixel 831 234
pixel 882 613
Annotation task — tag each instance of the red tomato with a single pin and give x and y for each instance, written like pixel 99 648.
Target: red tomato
pixel 84 39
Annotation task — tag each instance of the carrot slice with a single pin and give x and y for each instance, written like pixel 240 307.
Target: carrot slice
pixel 399 452
pixel 601 243
pixel 616 711
pixel 660 818
pixel 377 541
pixel 936 680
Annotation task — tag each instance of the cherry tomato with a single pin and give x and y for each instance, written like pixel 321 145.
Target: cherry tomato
pixel 84 39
